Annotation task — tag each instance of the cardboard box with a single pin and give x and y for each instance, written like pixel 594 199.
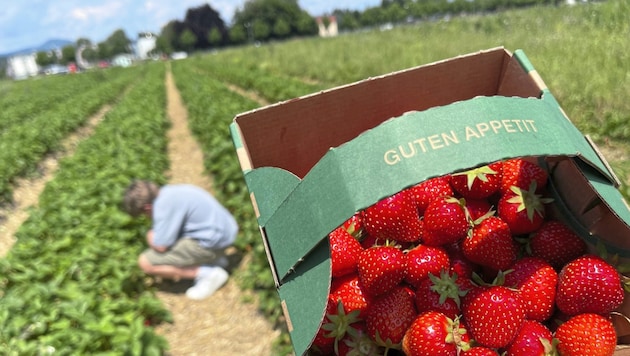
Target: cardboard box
pixel 312 162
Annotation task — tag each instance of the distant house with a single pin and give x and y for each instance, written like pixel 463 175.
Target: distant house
pixel 329 30
pixel 22 66
pixel 123 60
pixel 145 44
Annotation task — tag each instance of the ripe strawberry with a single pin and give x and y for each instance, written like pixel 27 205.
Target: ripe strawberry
pixel 556 243
pixel 354 226
pixel 323 344
pixel 445 222
pixel 439 294
pixel 477 208
pixel 423 260
pixel 348 290
pixel 588 284
pixel 491 244
pixel 586 334
pixel 523 210
pixel 433 333
pixel 534 339
pixel 335 325
pixel 494 315
pixel 480 351
pixel 344 252
pixel 429 190
pixel 380 269
pixel 536 281
pixel 478 183
pixel 389 316
pixel 521 173
pixel 460 265
pixel 393 218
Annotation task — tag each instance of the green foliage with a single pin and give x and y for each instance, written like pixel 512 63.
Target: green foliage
pixel 274 19
pixel 116 43
pixel 69 285
pixel 187 40
pixel 25 137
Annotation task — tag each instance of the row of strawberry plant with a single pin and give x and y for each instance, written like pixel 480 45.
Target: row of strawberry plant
pixel 273 87
pixel 211 108
pixel 29 98
pixel 70 285
pixel 23 145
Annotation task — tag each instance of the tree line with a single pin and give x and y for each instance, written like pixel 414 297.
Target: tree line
pixel 265 20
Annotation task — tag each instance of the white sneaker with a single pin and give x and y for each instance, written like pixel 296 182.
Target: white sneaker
pixel 209 280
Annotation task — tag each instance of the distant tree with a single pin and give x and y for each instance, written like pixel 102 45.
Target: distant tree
pixel 215 37
pixel 83 42
pixel 200 21
pixel 44 58
pixel 167 40
pixel 395 13
pixel 281 28
pixel 347 20
pixel 187 40
pixel 261 30
pixel 116 43
pixel 274 19
pixel 238 34
pixel 68 54
pixel 373 16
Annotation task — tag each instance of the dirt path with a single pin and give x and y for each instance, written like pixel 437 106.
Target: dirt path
pixel 27 190
pixel 222 325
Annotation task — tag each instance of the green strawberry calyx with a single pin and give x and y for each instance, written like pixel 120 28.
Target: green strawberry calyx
pixel 446 287
pixel 480 173
pixel 529 200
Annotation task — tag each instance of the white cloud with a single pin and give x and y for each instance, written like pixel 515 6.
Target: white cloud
pixel 97 13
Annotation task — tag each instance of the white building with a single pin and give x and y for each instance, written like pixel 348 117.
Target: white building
pixel 22 66
pixel 145 44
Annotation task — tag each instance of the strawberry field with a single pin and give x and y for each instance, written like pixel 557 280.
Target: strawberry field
pixel 70 284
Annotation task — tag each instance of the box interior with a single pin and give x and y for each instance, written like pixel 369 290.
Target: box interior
pixel 294 135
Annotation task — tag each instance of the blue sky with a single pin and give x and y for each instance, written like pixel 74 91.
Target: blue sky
pixel 29 23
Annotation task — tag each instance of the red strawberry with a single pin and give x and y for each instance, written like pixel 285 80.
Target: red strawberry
pixel 380 269
pixel 478 183
pixel 439 294
pixel 477 208
pixel 491 244
pixel 586 334
pixel 433 333
pixel 323 343
pixel 344 252
pixel 348 290
pixel 393 218
pixel 423 260
pixel 335 325
pixel 429 190
pixel 588 284
pixel 523 210
pixel 494 316
pixel 534 339
pixel 354 226
pixel 460 265
pixel 480 351
pixel 521 173
pixel 536 281
pixel 556 243
pixel 389 316
pixel 445 222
